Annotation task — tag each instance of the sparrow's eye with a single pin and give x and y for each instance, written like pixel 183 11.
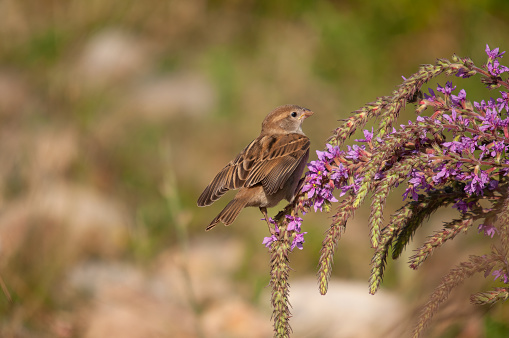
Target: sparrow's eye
pixel 294 114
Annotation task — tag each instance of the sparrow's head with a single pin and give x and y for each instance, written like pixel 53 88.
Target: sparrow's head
pixel 285 119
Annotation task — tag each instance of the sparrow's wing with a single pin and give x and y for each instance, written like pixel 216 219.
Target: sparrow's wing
pixel 232 176
pixel 279 156
pixel 268 160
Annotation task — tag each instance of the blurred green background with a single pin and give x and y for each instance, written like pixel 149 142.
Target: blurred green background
pixel 116 114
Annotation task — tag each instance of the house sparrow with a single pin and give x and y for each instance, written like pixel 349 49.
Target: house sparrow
pixel 267 170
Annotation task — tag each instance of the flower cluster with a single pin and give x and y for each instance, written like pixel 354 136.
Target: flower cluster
pixel 267 241
pixel 502 274
pixel 334 169
pixel 293 227
pixel 493 65
pixel 471 159
pixel 488 230
pixel 453 154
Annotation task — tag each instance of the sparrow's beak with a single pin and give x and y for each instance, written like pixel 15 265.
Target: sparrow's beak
pixel 306 114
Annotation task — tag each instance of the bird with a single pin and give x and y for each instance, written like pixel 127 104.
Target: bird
pixel 267 170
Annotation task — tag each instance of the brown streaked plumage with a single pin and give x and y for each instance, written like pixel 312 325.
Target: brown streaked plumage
pixel 267 170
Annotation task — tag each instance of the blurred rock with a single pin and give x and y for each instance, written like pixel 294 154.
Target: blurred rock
pixel 210 265
pixel 124 303
pixel 14 94
pixel 110 57
pixel 157 100
pixel 176 297
pixel 183 93
pixel 347 310
pixel 126 311
pixel 182 295
pixel 236 318
pixel 98 224
pixel 97 277
pixel 54 151
pixel 84 222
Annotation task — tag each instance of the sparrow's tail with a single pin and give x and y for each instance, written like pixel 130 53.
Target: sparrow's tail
pixel 229 213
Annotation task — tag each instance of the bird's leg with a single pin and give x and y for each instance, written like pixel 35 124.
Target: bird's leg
pixel 264 212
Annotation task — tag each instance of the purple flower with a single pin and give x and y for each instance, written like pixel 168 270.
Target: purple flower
pixel 319 185
pixel 294 226
pixel 294 223
pixel 493 65
pixel 463 73
pixel 447 90
pixel 463 206
pixel 355 186
pixel 416 183
pixel 328 155
pixel 460 98
pixel 503 103
pixel 315 175
pixel 318 203
pixel 411 190
pixel 316 167
pixel 442 174
pixel 495 68
pixel 492 149
pixel 502 274
pixel 476 186
pixel 267 241
pixel 310 188
pixel 431 96
pixel 453 147
pixel 498 147
pixel 368 136
pixel 493 54
pixel 334 150
pixel 483 106
pixel 339 174
pixel 465 144
pixel 491 121
pixel 325 194
pixel 493 185
pixel 453 118
pixel 298 240
pixel 488 229
pixel 324 156
pixel 480 106
pixel 354 152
